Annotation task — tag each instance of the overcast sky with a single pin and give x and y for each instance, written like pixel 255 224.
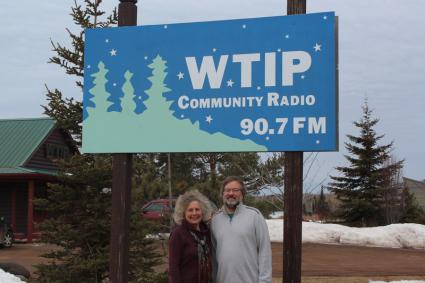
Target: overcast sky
pixel 381 54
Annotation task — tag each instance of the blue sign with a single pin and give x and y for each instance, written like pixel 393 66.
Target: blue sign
pixel 265 84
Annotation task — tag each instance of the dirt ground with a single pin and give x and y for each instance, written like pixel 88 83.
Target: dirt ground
pixel 26 255
pixel 350 261
pixel 320 263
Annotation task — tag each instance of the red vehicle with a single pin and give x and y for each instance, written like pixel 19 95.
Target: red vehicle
pixel 158 209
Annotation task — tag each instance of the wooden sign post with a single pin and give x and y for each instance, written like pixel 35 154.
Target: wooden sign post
pixel 121 183
pixel 293 184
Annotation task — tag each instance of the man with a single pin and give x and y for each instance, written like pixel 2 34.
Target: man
pixel 241 239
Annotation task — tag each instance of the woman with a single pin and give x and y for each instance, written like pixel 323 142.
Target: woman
pixel 190 242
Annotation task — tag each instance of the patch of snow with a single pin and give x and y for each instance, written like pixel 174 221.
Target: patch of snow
pixel 6 277
pixel 276 214
pixel 158 236
pixel 391 236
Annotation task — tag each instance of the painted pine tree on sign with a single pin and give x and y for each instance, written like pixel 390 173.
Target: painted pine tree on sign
pixel 107 125
pixel 100 95
pixel 158 88
pixel 127 102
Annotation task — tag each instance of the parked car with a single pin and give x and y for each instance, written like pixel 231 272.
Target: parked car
pixel 6 234
pixel 158 209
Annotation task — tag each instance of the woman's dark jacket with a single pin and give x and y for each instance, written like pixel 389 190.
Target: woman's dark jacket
pixel 183 254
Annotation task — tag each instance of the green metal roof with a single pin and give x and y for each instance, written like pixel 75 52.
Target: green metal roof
pixel 19 138
pixel 21 170
pixel 12 170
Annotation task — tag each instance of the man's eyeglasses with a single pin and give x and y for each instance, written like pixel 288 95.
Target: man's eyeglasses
pixel 228 191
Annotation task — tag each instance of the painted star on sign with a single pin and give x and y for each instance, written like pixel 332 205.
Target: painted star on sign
pixel 107 40
pixel 180 75
pixel 230 83
pixel 214 49
pixel 287 36
pixel 208 119
pixel 113 52
pixel 317 47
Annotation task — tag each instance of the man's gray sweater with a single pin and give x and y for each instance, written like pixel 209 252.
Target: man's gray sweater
pixel 242 247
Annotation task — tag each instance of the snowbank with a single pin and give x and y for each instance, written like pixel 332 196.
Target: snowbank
pixel 391 236
pixel 6 277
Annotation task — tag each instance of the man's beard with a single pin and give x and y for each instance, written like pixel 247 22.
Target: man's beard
pixel 232 202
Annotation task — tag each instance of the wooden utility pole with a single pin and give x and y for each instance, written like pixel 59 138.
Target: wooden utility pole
pixel 293 195
pixel 121 183
pixel 292 225
pixel 170 194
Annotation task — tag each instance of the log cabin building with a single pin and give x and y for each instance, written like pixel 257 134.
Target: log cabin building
pixel 28 151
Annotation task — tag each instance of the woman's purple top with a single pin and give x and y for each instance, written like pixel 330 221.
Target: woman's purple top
pixel 183 253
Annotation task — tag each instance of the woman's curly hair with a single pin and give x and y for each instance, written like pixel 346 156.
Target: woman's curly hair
pixel 185 199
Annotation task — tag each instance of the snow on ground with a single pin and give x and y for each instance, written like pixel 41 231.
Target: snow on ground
pixel 391 236
pixel 6 277
pixel 276 214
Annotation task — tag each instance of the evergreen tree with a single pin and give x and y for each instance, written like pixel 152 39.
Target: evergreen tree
pixel 149 182
pixel 244 164
pixel 79 205
pixel 68 112
pixel 360 185
pixel 220 165
pixel 143 254
pixel 411 211
pixel 79 222
pixel 183 171
pixel 208 173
